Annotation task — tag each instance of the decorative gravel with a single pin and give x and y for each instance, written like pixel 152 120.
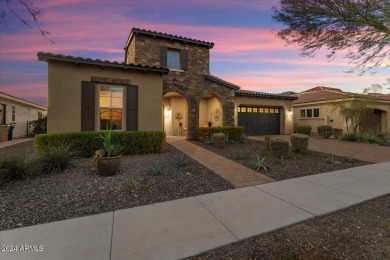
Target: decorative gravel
pixel 296 165
pixel 359 232
pixel 79 191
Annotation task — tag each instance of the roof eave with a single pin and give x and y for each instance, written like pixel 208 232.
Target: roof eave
pixel 47 58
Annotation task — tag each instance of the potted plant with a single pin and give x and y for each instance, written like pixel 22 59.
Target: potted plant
pixel 108 159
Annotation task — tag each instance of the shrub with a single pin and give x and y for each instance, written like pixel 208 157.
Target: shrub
pixel 299 142
pixel 39 126
pixel 373 138
pixel 337 132
pixel 325 131
pixel 279 147
pixel 303 129
pixel 243 138
pixel 258 164
pixel 155 168
pixel 180 159
pixel 203 134
pixel 351 137
pixel 55 159
pixel 86 143
pixel 15 167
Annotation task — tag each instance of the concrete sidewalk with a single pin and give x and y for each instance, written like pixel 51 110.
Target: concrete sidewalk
pixel 186 227
pixel 15 141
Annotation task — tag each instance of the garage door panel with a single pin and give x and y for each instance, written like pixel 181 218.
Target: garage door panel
pixel 265 122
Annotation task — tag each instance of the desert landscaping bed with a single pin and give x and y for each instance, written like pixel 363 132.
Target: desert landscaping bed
pixel 296 165
pixel 359 232
pixel 79 191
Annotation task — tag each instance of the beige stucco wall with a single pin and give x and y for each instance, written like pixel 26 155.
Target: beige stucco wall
pixel 330 116
pixel 65 94
pixel 286 119
pixel 171 124
pixel 24 112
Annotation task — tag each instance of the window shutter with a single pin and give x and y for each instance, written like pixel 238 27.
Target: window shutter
pixel 184 59
pixel 132 108
pixel 87 106
pixel 163 57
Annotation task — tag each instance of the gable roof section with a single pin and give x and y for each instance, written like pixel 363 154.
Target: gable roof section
pixel 221 81
pixel 22 101
pixel 263 94
pixel 318 94
pixel 44 56
pixel 171 37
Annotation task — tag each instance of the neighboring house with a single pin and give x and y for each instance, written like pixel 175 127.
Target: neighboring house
pixel 164 84
pixel 315 107
pixel 19 112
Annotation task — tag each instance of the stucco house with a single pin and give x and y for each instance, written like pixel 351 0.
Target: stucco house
pixel 164 83
pixel 314 107
pixel 19 112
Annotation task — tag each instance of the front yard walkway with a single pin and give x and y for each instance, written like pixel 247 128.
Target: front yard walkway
pixel 233 172
pixel 366 152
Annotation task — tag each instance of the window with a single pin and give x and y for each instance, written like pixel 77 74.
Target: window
pixel 310 113
pixel 173 59
pixel 13 114
pixel 111 107
pixel 249 109
pixel 2 114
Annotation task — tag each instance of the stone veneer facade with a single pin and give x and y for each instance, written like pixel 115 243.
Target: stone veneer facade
pixel 191 84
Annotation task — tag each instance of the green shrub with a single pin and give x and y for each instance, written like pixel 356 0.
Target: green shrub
pixel 39 126
pixel 155 168
pixel 55 159
pixel 203 134
pixel 279 147
pixel 350 137
pixel 86 143
pixel 258 164
pixel 299 142
pixel 16 167
pixel 373 138
pixel 337 132
pixel 325 131
pixel 180 159
pixel 303 129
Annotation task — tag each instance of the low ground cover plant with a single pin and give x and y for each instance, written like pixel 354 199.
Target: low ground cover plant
pixel 15 167
pixel 366 137
pixel 55 159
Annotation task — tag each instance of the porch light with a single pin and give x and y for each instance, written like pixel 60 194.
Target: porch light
pixel 290 112
pixel 168 112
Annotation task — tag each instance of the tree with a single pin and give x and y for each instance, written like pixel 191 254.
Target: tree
pixel 29 16
pixel 359 28
pixel 355 110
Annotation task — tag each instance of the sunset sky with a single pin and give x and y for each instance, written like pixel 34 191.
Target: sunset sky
pixel 246 52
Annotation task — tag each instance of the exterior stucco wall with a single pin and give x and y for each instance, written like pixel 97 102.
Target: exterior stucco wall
pixel 24 113
pixel 330 116
pixel 64 109
pixel 286 119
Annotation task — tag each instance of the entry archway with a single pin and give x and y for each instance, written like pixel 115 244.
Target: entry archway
pixel 175 114
pixel 210 111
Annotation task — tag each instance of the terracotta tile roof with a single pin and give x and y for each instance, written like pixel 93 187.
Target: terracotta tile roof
pixel 136 31
pixel 263 94
pixel 221 81
pixel 318 94
pixel 45 56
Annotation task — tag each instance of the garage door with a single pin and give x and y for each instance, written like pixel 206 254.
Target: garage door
pixel 259 120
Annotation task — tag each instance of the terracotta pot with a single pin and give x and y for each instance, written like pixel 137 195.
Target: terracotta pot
pixel 108 166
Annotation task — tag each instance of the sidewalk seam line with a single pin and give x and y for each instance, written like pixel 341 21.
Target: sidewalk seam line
pixel 112 233
pixel 311 213
pixel 217 218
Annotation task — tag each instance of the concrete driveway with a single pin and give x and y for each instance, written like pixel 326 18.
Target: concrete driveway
pixel 366 152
